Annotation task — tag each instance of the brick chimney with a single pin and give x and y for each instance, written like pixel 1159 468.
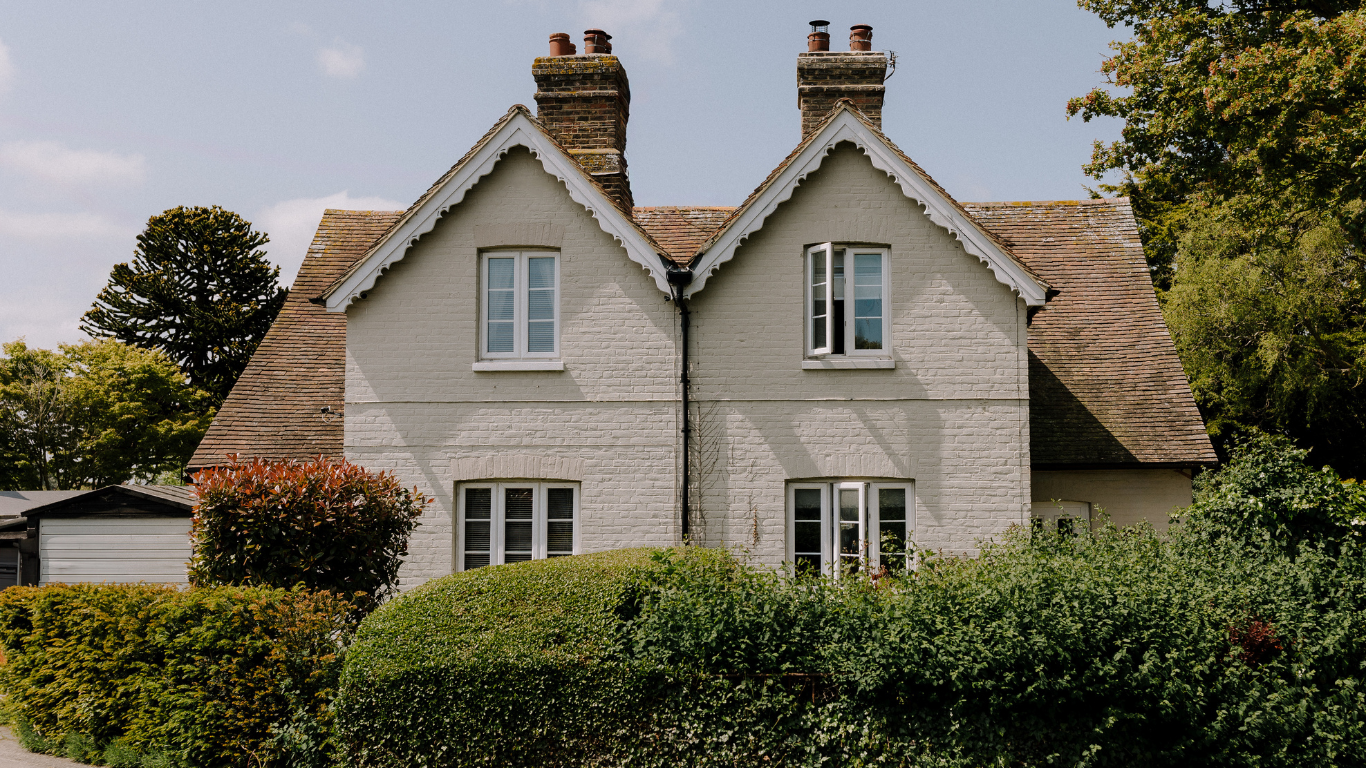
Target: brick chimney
pixel 584 100
pixel 825 76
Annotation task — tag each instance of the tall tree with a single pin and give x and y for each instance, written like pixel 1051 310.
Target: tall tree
pixel 35 436
pixel 1270 323
pixel 1244 152
pixel 1244 102
pixel 199 289
pixel 94 414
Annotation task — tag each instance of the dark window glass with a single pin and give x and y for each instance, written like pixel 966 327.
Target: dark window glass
pixel 478 514
pixel 478 503
pixel 560 503
pixel 517 524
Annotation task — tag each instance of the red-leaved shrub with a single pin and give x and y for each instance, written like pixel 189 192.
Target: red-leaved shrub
pixel 323 524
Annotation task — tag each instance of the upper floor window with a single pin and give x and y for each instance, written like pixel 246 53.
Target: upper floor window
pixel 843 526
pixel 520 310
pixel 846 301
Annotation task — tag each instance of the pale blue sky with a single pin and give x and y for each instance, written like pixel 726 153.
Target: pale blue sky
pixel 113 112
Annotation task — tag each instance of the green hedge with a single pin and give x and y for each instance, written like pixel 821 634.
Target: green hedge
pixel 520 657
pixel 1120 649
pixel 225 676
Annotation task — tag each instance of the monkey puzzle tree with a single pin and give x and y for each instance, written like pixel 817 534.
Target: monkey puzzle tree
pixel 199 289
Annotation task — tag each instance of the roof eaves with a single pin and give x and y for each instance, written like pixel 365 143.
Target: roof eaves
pixel 977 239
pixel 604 208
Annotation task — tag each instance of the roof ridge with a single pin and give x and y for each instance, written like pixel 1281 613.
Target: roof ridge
pixel 1022 203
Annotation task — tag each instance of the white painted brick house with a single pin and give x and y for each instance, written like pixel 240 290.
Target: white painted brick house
pixel 848 360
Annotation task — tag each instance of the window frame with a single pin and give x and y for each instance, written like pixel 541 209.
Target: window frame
pixel 521 302
pixel 809 319
pixel 498 519
pixel 869 520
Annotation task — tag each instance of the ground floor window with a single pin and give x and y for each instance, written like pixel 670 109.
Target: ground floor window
pixel 511 522
pixel 1062 516
pixel 843 526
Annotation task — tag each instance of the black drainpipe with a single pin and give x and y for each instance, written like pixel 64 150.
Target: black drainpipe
pixel 678 280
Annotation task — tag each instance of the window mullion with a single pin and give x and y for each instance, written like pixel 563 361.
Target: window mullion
pixel 830 528
pixel 864 534
pixel 538 518
pixel 830 297
pixel 520 298
pixel 496 532
pixel 850 307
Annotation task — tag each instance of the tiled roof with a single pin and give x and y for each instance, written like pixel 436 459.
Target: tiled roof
pixel 1106 387
pixel 680 229
pixel 1105 384
pixel 274 409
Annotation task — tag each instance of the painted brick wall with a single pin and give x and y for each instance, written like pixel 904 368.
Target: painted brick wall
pixel 952 415
pixel 414 404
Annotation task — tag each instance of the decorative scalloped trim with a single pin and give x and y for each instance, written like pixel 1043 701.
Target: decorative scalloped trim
pixel 847 128
pixel 519 132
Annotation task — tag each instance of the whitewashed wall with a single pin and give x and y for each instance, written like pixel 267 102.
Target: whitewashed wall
pixel 953 415
pixel 415 406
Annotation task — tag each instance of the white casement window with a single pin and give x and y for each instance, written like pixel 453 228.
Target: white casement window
pixel 511 522
pixel 847 301
pixel 843 526
pixel 519 308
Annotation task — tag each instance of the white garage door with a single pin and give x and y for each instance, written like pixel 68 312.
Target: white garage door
pixel 114 550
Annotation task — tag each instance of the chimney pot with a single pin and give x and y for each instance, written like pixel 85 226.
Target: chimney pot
pixel 860 38
pixel 584 102
pixel 819 39
pixel 596 41
pixel 560 45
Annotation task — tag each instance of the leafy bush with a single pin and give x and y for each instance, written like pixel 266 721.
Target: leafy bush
pixel 1269 493
pixel 203 675
pixel 323 524
pixel 1119 648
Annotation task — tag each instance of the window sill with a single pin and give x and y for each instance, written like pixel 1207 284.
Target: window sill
pixel 519 365
pixel 847 364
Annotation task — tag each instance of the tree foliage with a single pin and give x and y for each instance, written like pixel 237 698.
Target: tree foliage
pixel 1244 152
pixel 1256 102
pixel 1270 324
pixel 323 524
pixel 93 414
pixel 1269 495
pixel 199 289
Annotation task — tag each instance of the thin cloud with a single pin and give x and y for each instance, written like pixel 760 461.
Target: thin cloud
pixel 341 59
pixel 50 227
pixel 291 225
pixel 6 68
pixel 52 162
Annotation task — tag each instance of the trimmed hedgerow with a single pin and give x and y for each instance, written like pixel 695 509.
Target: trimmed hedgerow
pixel 1119 649
pixel 205 677
pixel 522 653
